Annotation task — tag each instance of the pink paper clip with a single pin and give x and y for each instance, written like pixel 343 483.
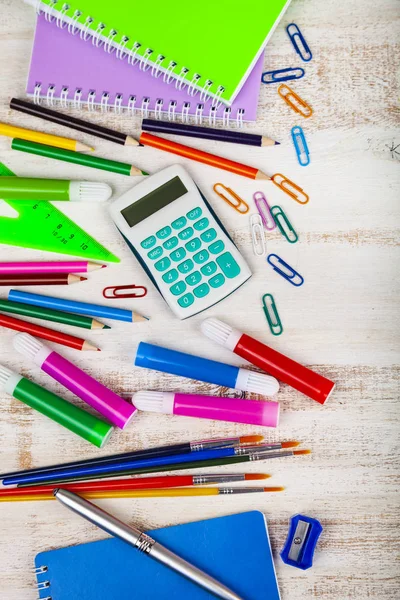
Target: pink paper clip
pixel 115 289
pixel 264 210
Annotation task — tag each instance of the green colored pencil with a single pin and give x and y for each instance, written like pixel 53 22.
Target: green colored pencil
pixel 76 158
pixel 48 314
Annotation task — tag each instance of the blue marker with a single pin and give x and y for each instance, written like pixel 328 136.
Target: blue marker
pixel 203 369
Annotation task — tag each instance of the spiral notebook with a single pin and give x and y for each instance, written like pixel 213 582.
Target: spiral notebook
pixel 233 549
pixel 65 68
pixel 211 46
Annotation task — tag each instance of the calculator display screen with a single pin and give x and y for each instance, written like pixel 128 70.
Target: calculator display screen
pixel 151 203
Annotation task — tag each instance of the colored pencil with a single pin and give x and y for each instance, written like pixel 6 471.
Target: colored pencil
pixel 233 136
pixel 80 308
pixel 53 116
pixel 50 315
pixel 43 138
pixel 204 157
pixel 70 266
pixel 40 279
pixel 46 334
pixel 78 159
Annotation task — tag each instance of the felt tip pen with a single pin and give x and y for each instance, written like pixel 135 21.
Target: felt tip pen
pixel 203 369
pixel 57 190
pixel 235 410
pixel 285 369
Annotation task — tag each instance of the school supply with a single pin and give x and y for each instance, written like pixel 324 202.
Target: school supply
pixel 212 160
pixel 183 45
pixel 284 270
pixel 298 41
pixel 66 70
pixel 85 160
pixel 290 188
pixel 91 310
pixel 40 279
pixel 283 224
pixel 231 198
pixel 293 100
pixel 265 212
pixel 235 549
pixel 165 360
pixel 234 410
pixel 43 138
pixel 114 408
pixel 54 190
pixel 301 542
pixel 282 75
pixel 114 291
pixel 285 369
pixel 300 145
pixel 206 133
pixel 271 312
pixel 47 334
pixel 257 235
pixel 71 266
pixel 87 426
pixel 179 241
pixel 42 226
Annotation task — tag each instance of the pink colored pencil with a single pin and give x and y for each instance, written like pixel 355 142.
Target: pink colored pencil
pixel 71 266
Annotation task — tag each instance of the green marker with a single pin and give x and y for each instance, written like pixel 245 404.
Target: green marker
pixel 68 415
pixel 57 190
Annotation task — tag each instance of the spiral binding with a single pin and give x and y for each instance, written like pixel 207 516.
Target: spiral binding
pixel 42 585
pixel 102 102
pixel 66 16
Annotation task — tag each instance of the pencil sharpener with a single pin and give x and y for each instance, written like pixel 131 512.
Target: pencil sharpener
pixel 301 541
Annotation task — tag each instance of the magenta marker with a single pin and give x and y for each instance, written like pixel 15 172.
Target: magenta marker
pixel 252 412
pixel 114 408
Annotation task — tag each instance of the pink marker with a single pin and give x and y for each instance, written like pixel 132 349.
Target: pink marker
pixel 252 412
pixel 114 408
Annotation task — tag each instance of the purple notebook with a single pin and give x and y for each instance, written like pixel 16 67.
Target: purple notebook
pixel 66 69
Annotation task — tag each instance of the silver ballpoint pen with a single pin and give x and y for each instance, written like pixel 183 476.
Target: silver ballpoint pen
pixel 142 542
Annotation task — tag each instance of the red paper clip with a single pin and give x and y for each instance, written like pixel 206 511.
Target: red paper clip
pixel 115 291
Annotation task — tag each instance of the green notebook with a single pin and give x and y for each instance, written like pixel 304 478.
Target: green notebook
pixel 211 46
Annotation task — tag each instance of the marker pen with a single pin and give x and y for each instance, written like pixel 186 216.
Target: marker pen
pixel 285 369
pixel 235 410
pixel 114 408
pixel 202 369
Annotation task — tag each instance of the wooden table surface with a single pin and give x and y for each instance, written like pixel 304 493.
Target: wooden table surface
pixel 343 322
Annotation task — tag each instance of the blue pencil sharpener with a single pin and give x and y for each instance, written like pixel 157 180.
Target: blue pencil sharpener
pixel 301 541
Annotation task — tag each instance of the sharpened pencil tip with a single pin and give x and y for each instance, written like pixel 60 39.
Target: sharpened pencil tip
pixel 144 173
pixel 106 327
pixel 277 143
pixel 103 266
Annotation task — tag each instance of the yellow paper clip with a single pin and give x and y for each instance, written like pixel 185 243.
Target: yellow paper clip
pixel 238 203
pixel 294 101
pixel 293 190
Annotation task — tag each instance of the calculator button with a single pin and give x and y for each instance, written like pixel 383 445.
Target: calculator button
pixel 179 223
pixel 148 242
pixel 186 266
pixel 209 268
pixel 171 243
pixel 155 253
pixel 201 291
pixel 178 288
pixel 194 214
pixel 193 245
pixel 186 300
pixel 186 233
pixel 164 233
pixel 171 276
pixel 201 257
pixel 162 264
pixel 217 280
pixel 178 254
pixel 202 224
pixel 209 235
pixel 228 265
pixel 194 278
pixel 216 247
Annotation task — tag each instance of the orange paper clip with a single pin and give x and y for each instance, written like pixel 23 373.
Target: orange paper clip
pixel 116 289
pixel 293 190
pixel 294 101
pixel 238 203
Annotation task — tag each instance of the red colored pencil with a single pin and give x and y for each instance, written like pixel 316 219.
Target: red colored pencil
pixel 40 279
pixel 45 333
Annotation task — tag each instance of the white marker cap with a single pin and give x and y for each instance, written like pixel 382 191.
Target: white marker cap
pixel 221 333
pixel 89 191
pixel 31 347
pixel 9 380
pixel 159 402
pixel 256 383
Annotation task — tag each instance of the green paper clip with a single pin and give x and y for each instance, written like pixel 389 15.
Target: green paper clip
pixel 284 225
pixel 272 315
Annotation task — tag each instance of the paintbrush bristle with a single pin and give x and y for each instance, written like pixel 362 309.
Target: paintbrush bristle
pixel 251 439
pixel 296 452
pixel 291 444
pixel 274 489
pixel 253 476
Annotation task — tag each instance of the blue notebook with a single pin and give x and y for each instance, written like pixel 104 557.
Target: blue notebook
pixel 233 549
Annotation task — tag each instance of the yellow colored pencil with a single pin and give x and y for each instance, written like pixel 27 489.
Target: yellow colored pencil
pixel 43 138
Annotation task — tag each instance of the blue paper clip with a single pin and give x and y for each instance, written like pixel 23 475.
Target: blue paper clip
pixel 296 36
pixel 274 76
pixel 290 275
pixel 301 541
pixel 300 145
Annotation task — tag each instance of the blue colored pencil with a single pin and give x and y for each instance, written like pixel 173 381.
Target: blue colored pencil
pixel 79 308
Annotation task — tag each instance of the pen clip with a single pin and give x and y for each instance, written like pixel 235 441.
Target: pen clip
pixel 272 315
pixel 294 101
pixel 289 273
pixel 238 203
pixel 114 293
pixel 264 210
pixel 284 225
pixel 288 186
pixel 257 235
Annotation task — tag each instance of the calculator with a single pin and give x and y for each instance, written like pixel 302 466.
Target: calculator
pixel 179 241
